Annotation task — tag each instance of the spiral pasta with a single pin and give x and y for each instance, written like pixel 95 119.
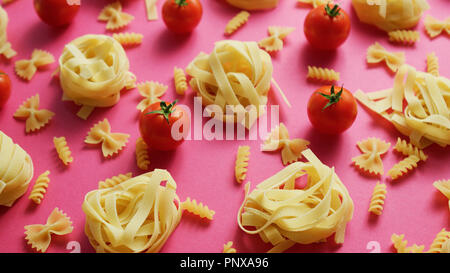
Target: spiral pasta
pixel 35 118
pixel 377 201
pixel 435 27
pixel 399 242
pixel 227 248
pixel 151 91
pixel 93 71
pixel 404 36
pixel 407 149
pixel 197 208
pixel 242 157
pixel 284 215
pixel 63 150
pixel 16 171
pixel 114 17
pixel 142 157
pixel 370 161
pixel 237 22
pixel 253 4
pixel 5 46
pixel 26 69
pixel 276 36
pixel 128 38
pixel 114 181
pixel 322 74
pixel 180 80
pixel 40 187
pixel 137 215
pixel 112 143
pixel 377 54
pixel 432 64
pixel 403 167
pixel 442 237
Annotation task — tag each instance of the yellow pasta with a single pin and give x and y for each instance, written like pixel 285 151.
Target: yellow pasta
pixel 180 80
pixel 403 167
pixel 404 36
pixel 142 157
pixel 242 157
pixel 197 208
pixel 446 247
pixel 407 149
pixel 5 46
pixel 399 242
pixel 314 3
pixel 39 236
pixel 114 17
pixel 27 68
pixel 322 74
pixel 376 54
pixel 236 22
pixel 35 118
pixel 150 7
pixel 444 187
pixel 151 91
pixel 432 64
pixel 227 248
pixel 370 161
pixel 63 150
pixel 112 143
pixel 276 36
pixel 435 27
pixel 16 171
pixel 135 216
pixel 113 181
pixel 441 238
pixel 253 4
pixel 377 201
pixel 128 38
pixel 5 2
pixel 40 187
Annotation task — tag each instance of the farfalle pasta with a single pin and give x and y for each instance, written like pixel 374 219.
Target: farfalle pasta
pixel 137 215
pixel 142 157
pixel 39 236
pixel 377 54
pixel 128 38
pixel 63 150
pixel 408 37
pixel 441 238
pixel 444 187
pixel 284 215
pixel 241 165
pixel 253 4
pixel 291 149
pixel 35 118
pixel 113 181
pixel 276 36
pixel 16 171
pixel 112 143
pixel 370 161
pixel 114 17
pixel 40 187
pixel 433 64
pixel 236 22
pixel 198 209
pixel 93 71
pixel 151 10
pixel 435 27
pixel 403 167
pixel 322 74
pixel 377 200
pixel 26 69
pixel 151 91
pixel 5 46
pixel 180 80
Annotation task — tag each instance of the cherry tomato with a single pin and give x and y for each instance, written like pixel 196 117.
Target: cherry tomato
pixel 327 26
pixel 5 88
pixel 182 16
pixel 57 12
pixel 156 122
pixel 330 112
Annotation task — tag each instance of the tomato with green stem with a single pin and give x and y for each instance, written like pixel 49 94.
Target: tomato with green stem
pixel 57 12
pixel 5 88
pixel 182 16
pixel 330 112
pixel 163 127
pixel 327 27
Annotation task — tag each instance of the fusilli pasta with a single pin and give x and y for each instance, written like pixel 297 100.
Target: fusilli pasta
pixel 432 64
pixel 322 74
pixel 442 237
pixel 113 181
pixel 128 38
pixel 26 69
pixel 242 157
pixel 197 208
pixel 227 248
pixel 35 118
pixel 63 150
pixel 40 187
pixel 142 157
pixel 407 149
pixel 236 22
pixel 377 201
pixel 403 167
pixel 180 80
pixel 404 36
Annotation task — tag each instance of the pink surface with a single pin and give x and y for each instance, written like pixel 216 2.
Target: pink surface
pixel 204 170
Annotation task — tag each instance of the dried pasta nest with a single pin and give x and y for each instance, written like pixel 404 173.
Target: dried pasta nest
pixel 253 4
pixel 390 15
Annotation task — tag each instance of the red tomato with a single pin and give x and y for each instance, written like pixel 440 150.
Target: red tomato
pixel 182 16
pixel 330 112
pixel 327 27
pixel 155 125
pixel 57 12
pixel 5 88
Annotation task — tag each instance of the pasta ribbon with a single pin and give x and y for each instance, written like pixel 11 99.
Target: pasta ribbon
pixel 151 91
pixel 114 181
pixel 291 149
pixel 180 80
pixel 444 187
pixel 322 74
pixel 408 149
pixel 150 7
pixel 435 27
pixel 63 150
pixel 253 4
pixel 16 171
pixel 433 64
pixel 314 3
pixel 284 215
pixel 377 54
pixel 27 68
pixel 142 157
pixel 242 157
pixel 236 22
pixel 227 248
pixel 137 215
pixel 112 143
pixel 404 36
pixel 370 161
pixel 128 38
pixel 403 167
pixel 5 46
pixel 377 201
pixel 114 17
pixel 35 118
pixel 276 36
pixel 197 208
pixel 438 243
pixel 39 236
pixel 40 187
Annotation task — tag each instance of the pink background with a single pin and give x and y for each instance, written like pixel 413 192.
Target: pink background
pixel 204 170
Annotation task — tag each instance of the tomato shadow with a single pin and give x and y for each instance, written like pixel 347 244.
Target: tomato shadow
pixel 40 35
pixel 168 42
pixel 314 57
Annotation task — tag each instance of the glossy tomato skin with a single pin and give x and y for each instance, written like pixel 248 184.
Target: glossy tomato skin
pixel 336 118
pixel 5 88
pixel 325 32
pixel 155 130
pixel 182 19
pixel 56 12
